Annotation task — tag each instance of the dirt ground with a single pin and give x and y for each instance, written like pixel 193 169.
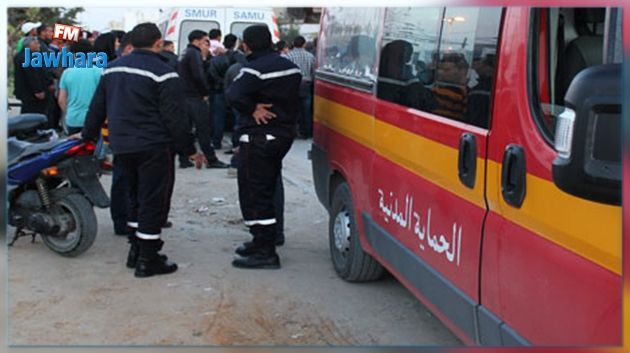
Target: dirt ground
pixel 95 300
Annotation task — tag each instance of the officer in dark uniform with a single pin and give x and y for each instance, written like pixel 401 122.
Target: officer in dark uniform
pixel 265 96
pixel 191 69
pixel 141 96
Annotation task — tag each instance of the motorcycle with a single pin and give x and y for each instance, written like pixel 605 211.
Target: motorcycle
pixel 53 186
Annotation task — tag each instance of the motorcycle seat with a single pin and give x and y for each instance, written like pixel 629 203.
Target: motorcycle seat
pixel 19 149
pixel 26 123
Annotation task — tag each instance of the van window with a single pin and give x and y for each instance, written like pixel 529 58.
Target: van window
pixel 348 42
pixel 237 28
pixel 564 42
pixel 452 76
pixel 188 26
pixel 410 40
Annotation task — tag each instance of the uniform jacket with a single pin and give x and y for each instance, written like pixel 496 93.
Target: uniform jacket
pixel 271 79
pixel 141 96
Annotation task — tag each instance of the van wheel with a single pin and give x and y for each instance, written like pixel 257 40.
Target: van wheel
pixel 350 261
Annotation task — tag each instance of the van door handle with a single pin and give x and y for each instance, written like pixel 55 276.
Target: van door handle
pixel 467 161
pixel 513 182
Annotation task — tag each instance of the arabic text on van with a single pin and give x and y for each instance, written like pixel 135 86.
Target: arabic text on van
pixel 405 216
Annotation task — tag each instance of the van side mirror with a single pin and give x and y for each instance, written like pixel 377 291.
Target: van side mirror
pixel 588 136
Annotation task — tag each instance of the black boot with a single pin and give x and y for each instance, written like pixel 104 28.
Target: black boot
pixel 150 262
pixel 280 239
pixel 134 252
pixel 262 258
pixel 248 247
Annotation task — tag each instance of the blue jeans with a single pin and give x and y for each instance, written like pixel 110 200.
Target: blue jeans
pixel 305 116
pixel 101 149
pixel 218 119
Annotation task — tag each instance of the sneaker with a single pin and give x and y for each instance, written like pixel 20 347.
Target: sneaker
pixel 217 164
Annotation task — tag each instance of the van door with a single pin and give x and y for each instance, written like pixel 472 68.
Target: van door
pixel 551 261
pixel 428 177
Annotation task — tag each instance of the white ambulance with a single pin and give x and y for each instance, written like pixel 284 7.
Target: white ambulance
pixel 177 23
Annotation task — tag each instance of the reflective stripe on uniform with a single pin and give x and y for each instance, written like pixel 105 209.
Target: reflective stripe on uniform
pixel 147 236
pixel 245 138
pixel 145 73
pixel 268 75
pixel 262 222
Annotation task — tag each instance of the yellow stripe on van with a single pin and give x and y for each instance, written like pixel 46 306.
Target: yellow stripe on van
pixel 424 157
pixel 428 159
pixel 547 211
pixel 590 229
pixel 347 121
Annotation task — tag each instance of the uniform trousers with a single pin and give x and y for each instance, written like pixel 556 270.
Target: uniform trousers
pixel 149 176
pixel 260 157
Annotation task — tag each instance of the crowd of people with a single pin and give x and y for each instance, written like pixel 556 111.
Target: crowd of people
pixel 150 105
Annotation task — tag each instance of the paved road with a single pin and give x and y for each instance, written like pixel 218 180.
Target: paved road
pixel 95 300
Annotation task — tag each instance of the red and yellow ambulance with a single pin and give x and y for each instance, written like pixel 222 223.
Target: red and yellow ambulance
pixel 475 154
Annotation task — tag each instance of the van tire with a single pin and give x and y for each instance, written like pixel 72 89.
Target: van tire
pixel 349 259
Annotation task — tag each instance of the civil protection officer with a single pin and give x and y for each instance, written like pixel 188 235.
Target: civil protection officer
pixel 141 96
pixel 265 95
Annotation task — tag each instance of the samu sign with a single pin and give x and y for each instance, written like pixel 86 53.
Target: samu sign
pixel 64 59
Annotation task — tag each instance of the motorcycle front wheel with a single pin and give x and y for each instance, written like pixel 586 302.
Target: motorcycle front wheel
pixel 78 214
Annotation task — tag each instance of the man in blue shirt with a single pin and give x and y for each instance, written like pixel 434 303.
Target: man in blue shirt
pixel 76 88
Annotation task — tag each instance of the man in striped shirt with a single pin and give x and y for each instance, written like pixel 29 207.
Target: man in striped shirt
pixel 451 92
pixel 306 62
